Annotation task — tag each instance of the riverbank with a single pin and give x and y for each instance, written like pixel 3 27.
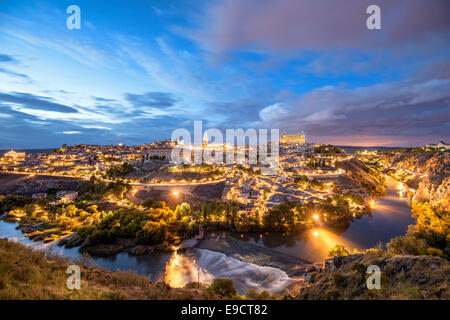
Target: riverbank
pixel 37 275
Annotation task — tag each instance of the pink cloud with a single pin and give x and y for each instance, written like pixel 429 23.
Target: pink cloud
pixel 319 24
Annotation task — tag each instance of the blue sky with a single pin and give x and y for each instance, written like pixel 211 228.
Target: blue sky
pixel 137 70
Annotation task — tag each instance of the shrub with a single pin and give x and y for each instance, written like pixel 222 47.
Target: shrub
pixel 223 287
pixel 436 252
pixel 252 294
pixel 182 210
pixel 407 245
pixel 152 233
pixel 338 250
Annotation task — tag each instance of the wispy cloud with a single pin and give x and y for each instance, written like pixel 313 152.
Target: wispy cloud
pixel 31 101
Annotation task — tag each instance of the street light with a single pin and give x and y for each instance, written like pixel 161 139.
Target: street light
pixel 316 217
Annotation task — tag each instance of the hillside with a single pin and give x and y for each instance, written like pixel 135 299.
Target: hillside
pixel 363 176
pixel 402 277
pixel 433 183
pixel 31 274
pixel 24 184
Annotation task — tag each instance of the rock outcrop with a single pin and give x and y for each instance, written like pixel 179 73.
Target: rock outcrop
pixel 432 179
pixel 402 277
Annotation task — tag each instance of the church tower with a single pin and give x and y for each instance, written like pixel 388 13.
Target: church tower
pixel 205 140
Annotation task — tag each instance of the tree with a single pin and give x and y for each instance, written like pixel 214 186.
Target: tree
pixel 182 210
pixel 223 287
pixel 119 171
pixel 407 245
pixel 153 233
pixel 279 218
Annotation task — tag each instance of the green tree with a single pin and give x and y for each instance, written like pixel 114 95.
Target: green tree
pixel 182 210
pixel 223 287
pixel 279 218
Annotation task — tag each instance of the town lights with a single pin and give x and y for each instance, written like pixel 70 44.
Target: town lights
pixel 316 217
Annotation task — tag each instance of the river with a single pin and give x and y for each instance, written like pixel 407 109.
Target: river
pixel 390 218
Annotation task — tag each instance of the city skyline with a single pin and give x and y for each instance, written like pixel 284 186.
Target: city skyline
pixel 136 71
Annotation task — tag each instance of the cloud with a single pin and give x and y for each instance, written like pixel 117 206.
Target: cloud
pixel 80 48
pixel 180 71
pixel 6 58
pixel 103 99
pixel 151 99
pixel 15 74
pixel 390 109
pixel 96 127
pixel 316 25
pixel 31 101
pixel 71 132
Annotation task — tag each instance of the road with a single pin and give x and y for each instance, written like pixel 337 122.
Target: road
pixel 108 180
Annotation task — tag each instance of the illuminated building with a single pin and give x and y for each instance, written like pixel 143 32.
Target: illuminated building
pixel 15 155
pixel 293 138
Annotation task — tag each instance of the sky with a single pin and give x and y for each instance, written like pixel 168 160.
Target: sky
pixel 138 70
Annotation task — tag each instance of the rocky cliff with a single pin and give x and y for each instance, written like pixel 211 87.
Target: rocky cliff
pixel 432 175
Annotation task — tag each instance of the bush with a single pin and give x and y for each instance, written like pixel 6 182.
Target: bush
pixel 152 233
pixel 223 287
pixel 9 203
pixel 252 294
pixel 407 245
pixel 119 171
pixel 150 203
pixel 338 250
pixel 436 252
pixel 182 210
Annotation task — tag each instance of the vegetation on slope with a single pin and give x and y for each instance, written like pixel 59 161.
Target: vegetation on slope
pixel 370 179
pixel 430 235
pixel 32 274
pixel 402 277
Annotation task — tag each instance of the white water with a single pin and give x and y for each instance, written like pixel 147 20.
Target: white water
pixel 244 275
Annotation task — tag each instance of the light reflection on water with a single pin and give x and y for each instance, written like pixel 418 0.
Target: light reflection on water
pixel 182 269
